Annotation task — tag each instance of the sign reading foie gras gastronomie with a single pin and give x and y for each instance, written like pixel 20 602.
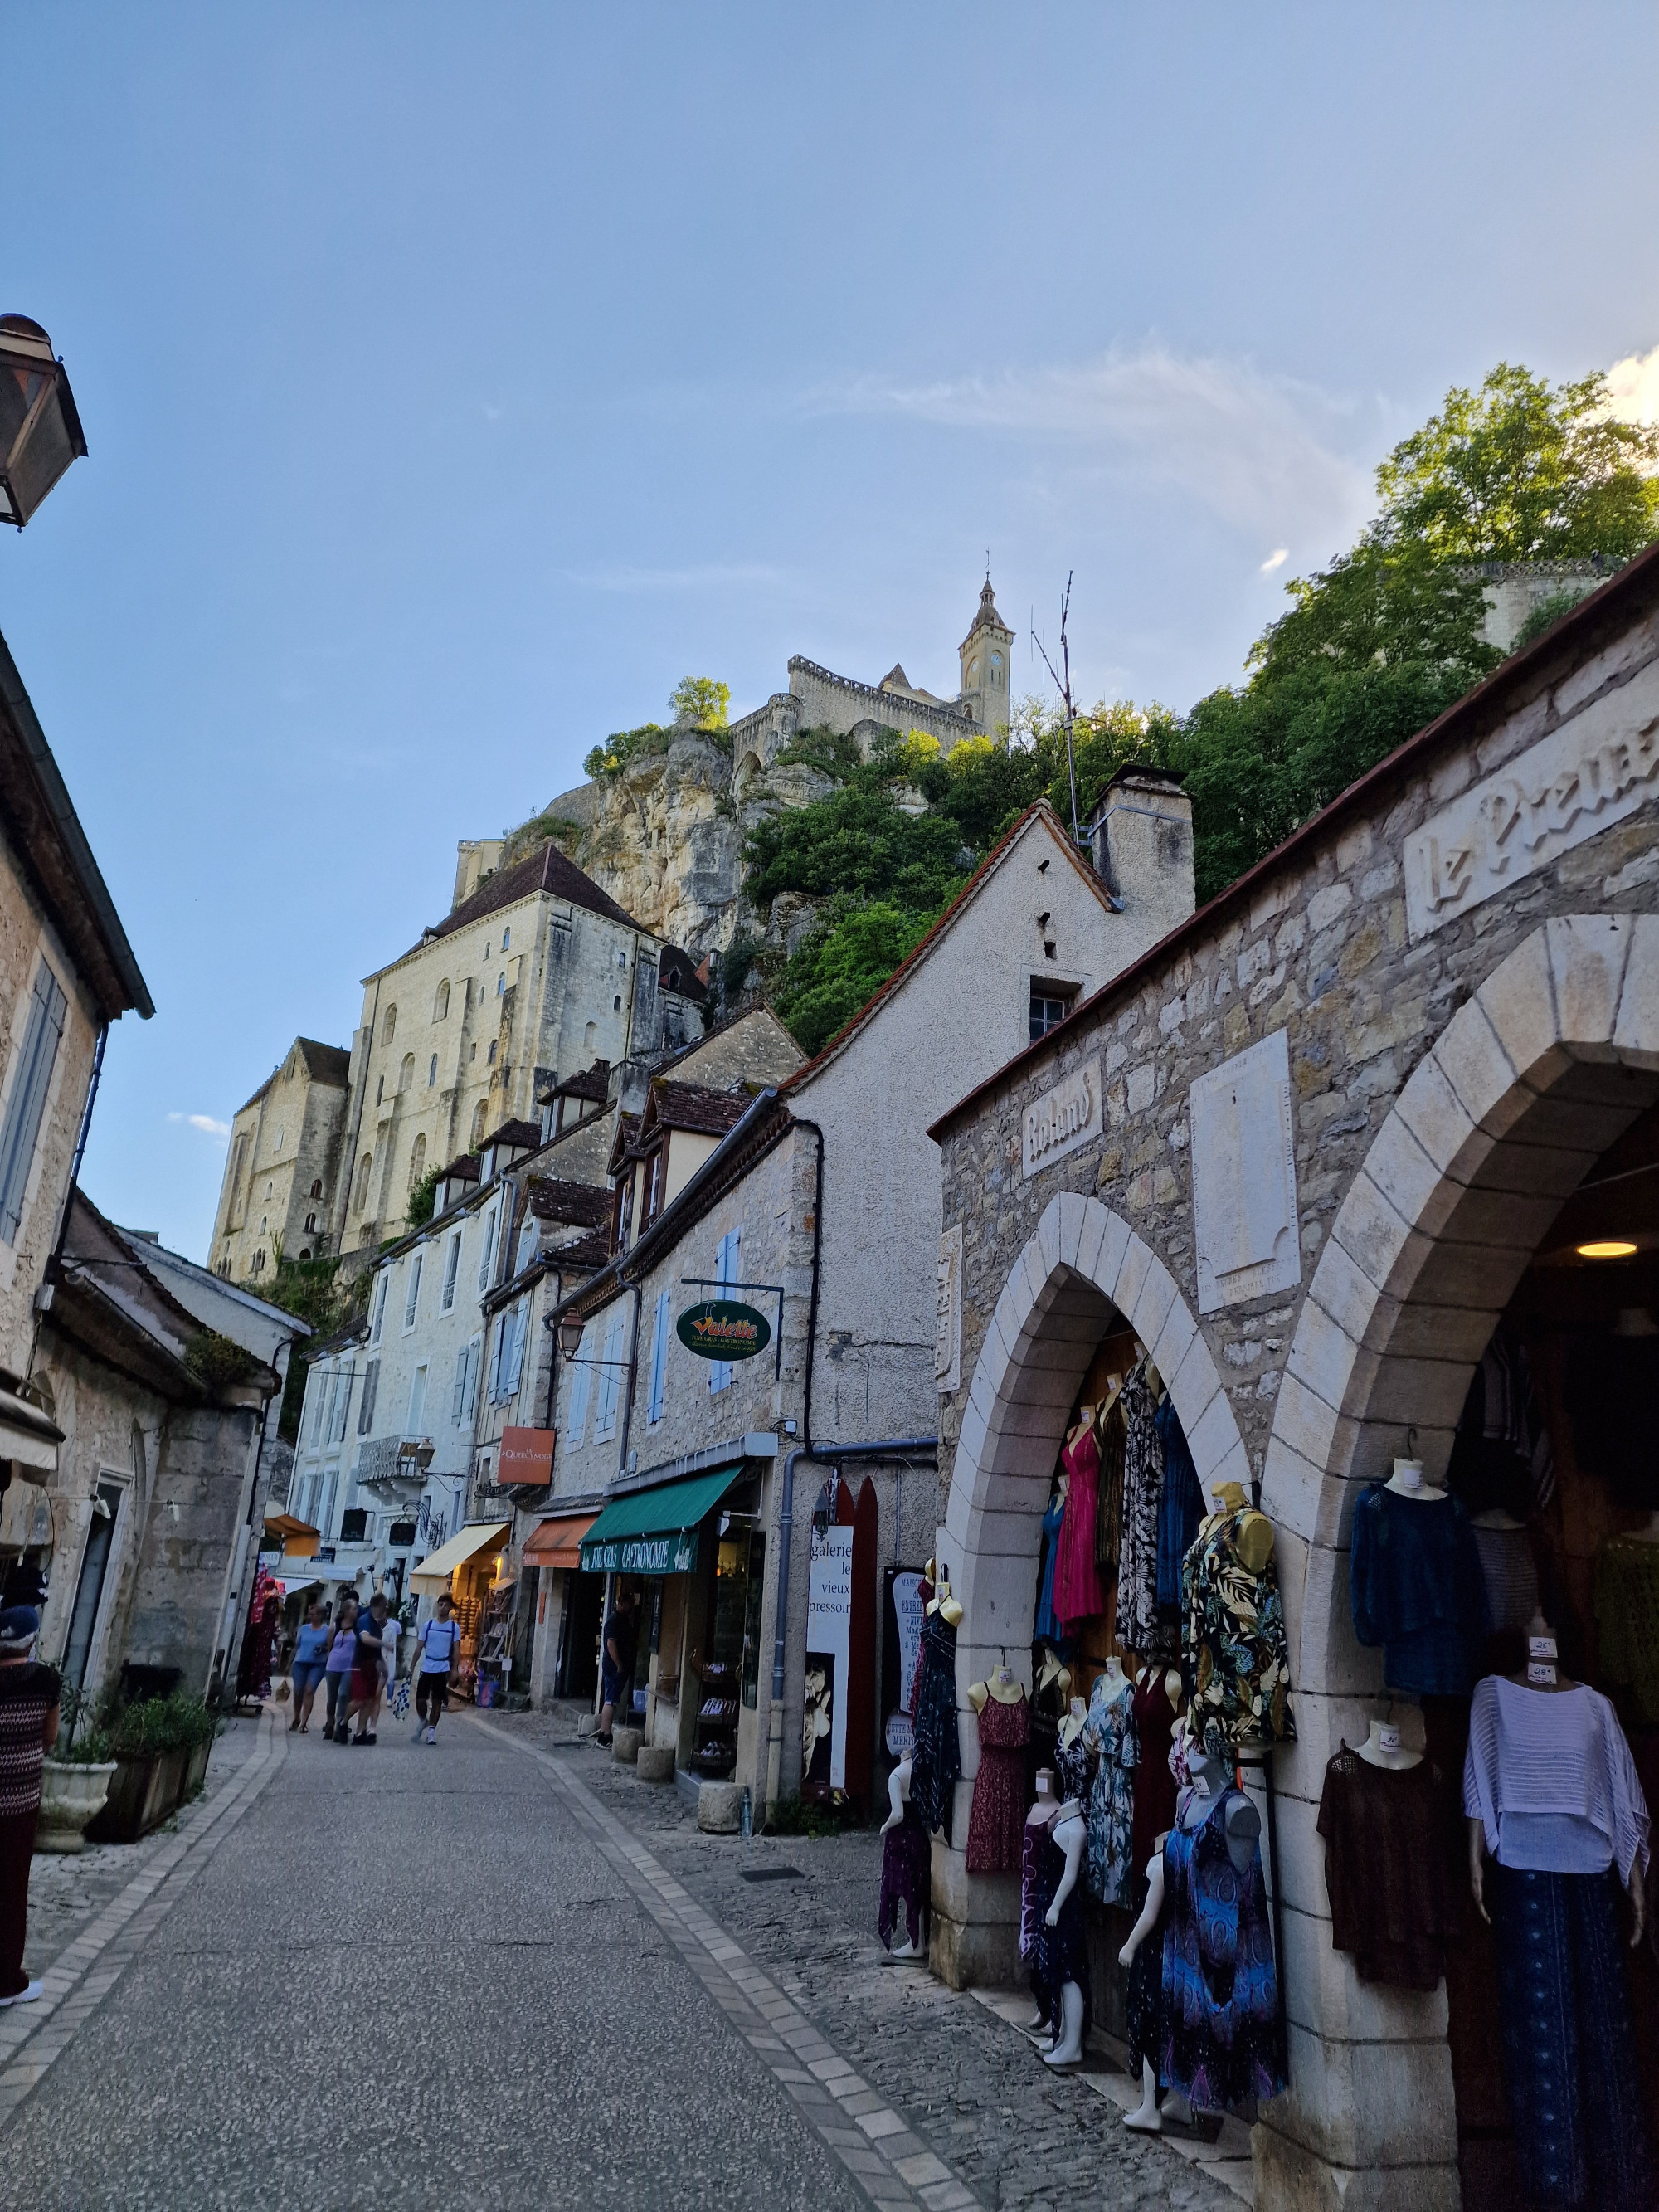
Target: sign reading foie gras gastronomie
pixel 720 1329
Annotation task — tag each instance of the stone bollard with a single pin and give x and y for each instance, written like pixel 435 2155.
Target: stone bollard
pixel 655 1762
pixel 719 1807
pixel 625 1745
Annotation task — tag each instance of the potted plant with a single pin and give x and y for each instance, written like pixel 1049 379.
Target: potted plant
pixel 74 1780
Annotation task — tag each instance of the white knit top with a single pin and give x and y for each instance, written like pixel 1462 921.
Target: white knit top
pixel 1550 1777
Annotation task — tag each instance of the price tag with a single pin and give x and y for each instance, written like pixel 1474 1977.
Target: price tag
pixel 1540 1647
pixel 1541 1673
pixel 1389 1737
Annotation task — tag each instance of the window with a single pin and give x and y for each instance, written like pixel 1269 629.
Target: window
pixel 380 1307
pixel 264 1223
pixel 413 1297
pixel 406 1072
pixel 507 940
pixel 43 1030
pixel 1049 1009
pixel 659 1358
pixel 339 1405
pixel 317 1188
pixel 389 1026
pixel 325 1519
pixel 604 1422
pixel 579 1381
pixel 498 1347
pixel 371 1389
pixel 452 1268
pixel 490 1055
pixel 360 1196
pixel 432 1072
pixel 316 1392
pixel 380 1089
pixel 477 1120
pixel 529 1238
pixel 489 1250
pixel 501 985
pixel 237 1157
pixel 488 941
pixel 416 1401
pixel 311 1222
pixel 654 1201
pixel 616 1004
pixel 440 1003
pixel 277 1146
pixel 457 1397
pixel 418 1160
pixel 259 1268
pixel 728 1269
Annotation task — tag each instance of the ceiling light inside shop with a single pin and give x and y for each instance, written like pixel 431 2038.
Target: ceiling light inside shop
pixel 1607 1247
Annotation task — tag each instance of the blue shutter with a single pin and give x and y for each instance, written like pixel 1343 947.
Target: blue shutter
pixel 658 1357
pixel 42 1034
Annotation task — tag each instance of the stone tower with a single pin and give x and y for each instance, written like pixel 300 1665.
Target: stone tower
pixel 987 661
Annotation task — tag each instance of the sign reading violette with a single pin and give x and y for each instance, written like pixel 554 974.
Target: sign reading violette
pixel 719 1328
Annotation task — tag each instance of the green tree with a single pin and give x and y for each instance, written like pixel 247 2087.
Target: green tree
pixel 842 966
pixel 859 842
pixel 701 701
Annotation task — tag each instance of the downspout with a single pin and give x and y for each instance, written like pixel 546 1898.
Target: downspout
pixel 787 1495
pixel 633 1369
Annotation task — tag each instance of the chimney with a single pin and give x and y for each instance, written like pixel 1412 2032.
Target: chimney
pixel 1141 829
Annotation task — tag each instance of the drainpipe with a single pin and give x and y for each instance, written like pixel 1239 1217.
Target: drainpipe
pixel 633 1369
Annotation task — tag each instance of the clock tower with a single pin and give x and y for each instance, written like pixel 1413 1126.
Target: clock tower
pixel 987 663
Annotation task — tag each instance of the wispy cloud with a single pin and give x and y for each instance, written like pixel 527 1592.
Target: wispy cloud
pixel 1276 559
pixel 1634 384
pixel 707 576
pixel 1255 449
pixel 204 1123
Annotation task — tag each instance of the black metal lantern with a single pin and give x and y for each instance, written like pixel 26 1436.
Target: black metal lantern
pixel 570 1336
pixel 40 429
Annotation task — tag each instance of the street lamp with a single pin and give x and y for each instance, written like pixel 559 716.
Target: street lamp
pixel 40 430
pixel 570 1336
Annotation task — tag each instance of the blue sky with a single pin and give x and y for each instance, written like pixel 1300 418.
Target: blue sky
pixel 457 380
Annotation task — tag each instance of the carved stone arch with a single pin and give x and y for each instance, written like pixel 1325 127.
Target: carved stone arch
pixel 1083 1265
pixel 747 769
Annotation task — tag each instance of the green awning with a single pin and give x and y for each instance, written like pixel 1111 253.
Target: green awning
pixel 654 1532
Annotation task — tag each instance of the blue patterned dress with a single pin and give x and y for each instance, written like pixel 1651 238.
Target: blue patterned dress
pixel 1110 1809
pixel 1220 2010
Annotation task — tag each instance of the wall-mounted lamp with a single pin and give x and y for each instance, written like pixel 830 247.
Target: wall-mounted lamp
pixel 40 429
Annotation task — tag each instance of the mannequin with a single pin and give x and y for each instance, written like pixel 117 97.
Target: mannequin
pixel 1243 1822
pixel 995 1821
pixel 1001 1685
pixel 947 1607
pixel 1072 1834
pixel 1382 1747
pixel 1407 1480
pixel 1172 1684
pixel 1071 1726
pixel 1115 1677
pixel 1052 1670
pixel 904 1867
pixel 1032 1904
pixel 1146 2119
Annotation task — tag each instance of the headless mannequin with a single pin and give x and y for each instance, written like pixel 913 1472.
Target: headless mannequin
pixel 1001 1685
pixel 1243 1822
pixel 942 1602
pixel 1407 1481
pixel 1052 1671
pixel 1382 1747
pixel 1115 1677
pixel 1172 1684
pixel 1255 1531
pixel 1042 1813
pixel 1072 1834
pixel 1146 2118
pixel 1071 1726
pixel 898 1796
pixel 1541 1675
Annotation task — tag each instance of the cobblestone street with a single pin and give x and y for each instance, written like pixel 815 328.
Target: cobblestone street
pixel 344 1980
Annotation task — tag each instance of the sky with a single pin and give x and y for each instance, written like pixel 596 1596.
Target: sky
pixel 457 380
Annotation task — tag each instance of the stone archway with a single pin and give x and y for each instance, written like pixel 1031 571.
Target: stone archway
pixel 1552 1056
pixel 1083 1265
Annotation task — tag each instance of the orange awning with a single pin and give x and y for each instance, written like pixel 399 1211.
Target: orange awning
pixel 299 1537
pixel 558 1543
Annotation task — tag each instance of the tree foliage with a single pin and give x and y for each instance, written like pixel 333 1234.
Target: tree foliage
pixel 842 964
pixel 421 1199
pixel 702 701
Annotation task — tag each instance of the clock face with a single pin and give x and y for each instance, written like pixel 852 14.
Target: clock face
pixel 973 671
pixel 996 660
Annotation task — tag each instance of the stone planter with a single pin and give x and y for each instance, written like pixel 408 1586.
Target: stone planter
pixel 196 1765
pixel 142 1794
pixel 71 1794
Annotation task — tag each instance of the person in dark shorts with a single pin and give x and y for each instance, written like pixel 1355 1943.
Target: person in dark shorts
pixel 439 1640
pixel 305 1674
pixel 28 1728
pixel 619 1641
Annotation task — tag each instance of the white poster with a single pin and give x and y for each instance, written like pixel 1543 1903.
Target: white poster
pixel 828 1644
pixel 907 1612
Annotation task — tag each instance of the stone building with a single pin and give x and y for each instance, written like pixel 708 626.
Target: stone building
pixel 1394 1087
pixel 278 1195
pixel 66 974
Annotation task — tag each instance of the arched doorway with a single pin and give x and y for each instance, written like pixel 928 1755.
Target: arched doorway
pixel 1083 1275
pixel 1454 1225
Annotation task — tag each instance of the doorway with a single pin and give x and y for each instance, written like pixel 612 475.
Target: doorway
pixel 89 1587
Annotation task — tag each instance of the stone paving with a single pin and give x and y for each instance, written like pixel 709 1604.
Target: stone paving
pixel 504 1971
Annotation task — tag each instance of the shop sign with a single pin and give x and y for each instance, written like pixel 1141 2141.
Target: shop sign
pixel 720 1329
pixel 1065 1116
pixel 908 1614
pixel 673 1554
pixel 828 1645
pixel 1244 1177
pixel 526 1458
pixel 1578 780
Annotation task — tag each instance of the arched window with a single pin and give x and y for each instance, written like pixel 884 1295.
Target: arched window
pixel 360 1197
pixel 432 1072
pixel 507 940
pixel 477 1124
pixel 440 1004
pixel 501 983
pixel 590 1036
pixel 317 1188
pixel 311 1223
pixel 389 1026
pixel 277 1146
pixel 418 1160
pixel 406 1072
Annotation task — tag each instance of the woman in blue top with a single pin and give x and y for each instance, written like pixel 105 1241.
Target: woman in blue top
pixel 342 1656
pixel 310 1651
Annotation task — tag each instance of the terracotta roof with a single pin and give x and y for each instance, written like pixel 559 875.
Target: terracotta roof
pixel 464 1169
pixel 547 871
pixel 583 1204
pixel 590 1083
pixel 1587 626
pixel 622 1142
pixel 688 1106
pixel 590 1251
pixel 521 1135
pixel 678 972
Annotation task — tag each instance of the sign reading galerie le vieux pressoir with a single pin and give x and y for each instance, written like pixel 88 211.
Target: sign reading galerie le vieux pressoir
pixel 720 1329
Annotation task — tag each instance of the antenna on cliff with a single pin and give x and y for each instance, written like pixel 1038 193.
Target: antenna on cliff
pixel 1064 690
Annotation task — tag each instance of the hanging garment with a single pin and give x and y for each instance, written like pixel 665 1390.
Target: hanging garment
pixel 1509 1576
pixel 1415 1584
pixel 1074 1765
pixel 1581 2135
pixel 1221 2039
pixel 1110 1809
pixel 1386 1870
pixel 1234 1651
pixel 1037 1890
pixel 1046 1629
pixel 1180 1507
pixel 1154 1784
pixel 1138 1625
pixel 1049 1706
pixel 1143 2005
pixel 906 1871
pixel 925 1597
pixel 936 1759
pixel 1502 1455
pixel 1627 1615
pixel 996 1820
pixel 1613 1401
pixel 1062 1951
pixel 1550 1777
pixel 1109 1494
pixel 1078 1593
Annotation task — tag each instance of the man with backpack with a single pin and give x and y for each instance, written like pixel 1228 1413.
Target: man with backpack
pixel 439 1644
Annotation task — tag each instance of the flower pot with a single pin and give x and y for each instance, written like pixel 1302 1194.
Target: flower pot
pixel 71 1794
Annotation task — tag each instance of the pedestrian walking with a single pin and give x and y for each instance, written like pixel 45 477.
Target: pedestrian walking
pixel 366 1669
pixel 617 1670
pixel 341 1652
pixel 305 1672
pixel 439 1641
pixel 29 1696
pixel 389 1635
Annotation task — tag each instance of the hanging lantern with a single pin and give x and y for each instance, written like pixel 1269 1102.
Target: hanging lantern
pixel 40 429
